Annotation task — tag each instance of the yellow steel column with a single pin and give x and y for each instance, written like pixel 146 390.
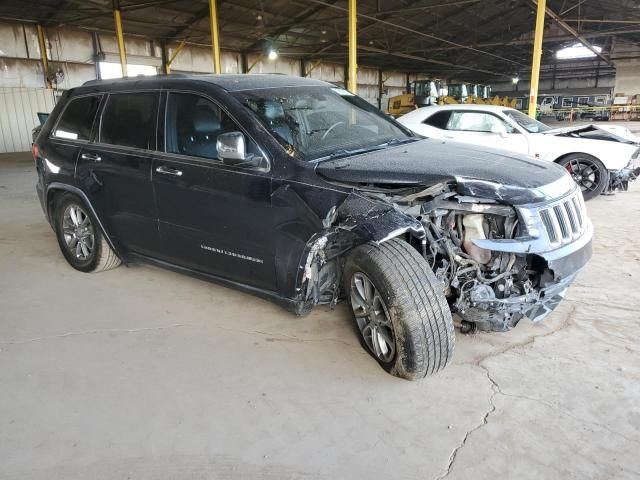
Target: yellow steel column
pixel 119 37
pixel 215 43
pixel 537 57
pixel 43 55
pixel 352 85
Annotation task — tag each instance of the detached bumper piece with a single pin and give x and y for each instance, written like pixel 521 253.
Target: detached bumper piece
pixel 619 179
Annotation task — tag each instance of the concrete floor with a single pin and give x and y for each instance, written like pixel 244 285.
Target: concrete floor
pixel 147 374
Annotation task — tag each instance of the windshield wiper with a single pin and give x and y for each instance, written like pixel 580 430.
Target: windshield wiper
pixel 398 141
pixel 345 153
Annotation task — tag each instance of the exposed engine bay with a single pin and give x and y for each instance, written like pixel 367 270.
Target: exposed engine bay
pixel 489 289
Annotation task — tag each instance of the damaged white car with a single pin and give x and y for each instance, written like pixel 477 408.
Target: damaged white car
pixel 599 158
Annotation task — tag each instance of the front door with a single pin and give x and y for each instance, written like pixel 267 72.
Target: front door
pixel 485 129
pixel 115 170
pixel 214 217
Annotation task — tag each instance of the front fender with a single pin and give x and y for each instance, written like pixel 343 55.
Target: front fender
pixel 358 220
pixel 372 220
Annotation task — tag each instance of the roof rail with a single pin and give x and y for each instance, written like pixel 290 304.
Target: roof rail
pixel 136 78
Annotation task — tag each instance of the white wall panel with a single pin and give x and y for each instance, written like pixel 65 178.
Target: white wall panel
pixel 21 73
pixel 285 65
pixel 70 45
pixel 12 40
pixel 328 72
pixel 192 59
pixel 18 116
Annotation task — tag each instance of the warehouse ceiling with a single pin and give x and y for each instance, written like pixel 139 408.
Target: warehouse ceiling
pixel 471 39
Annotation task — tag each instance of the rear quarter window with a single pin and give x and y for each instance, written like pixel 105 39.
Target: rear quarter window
pixel 438 120
pixel 77 118
pixel 129 120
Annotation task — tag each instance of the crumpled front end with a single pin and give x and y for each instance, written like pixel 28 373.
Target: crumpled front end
pixel 500 263
pixel 620 179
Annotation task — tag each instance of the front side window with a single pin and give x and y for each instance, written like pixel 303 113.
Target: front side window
pixel 531 125
pixel 475 122
pixel 314 122
pixel 193 124
pixel 567 102
pixel 77 119
pixel 129 120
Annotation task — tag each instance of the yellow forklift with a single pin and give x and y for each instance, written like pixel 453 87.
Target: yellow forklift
pixel 421 94
pixel 428 92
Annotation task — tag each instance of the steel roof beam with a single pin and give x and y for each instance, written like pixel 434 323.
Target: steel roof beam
pixel 572 31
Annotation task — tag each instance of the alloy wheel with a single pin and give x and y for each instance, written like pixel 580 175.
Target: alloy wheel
pixel 584 173
pixel 78 232
pixel 372 318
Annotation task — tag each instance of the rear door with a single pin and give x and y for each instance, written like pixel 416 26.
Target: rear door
pixel 214 217
pixel 115 170
pixel 71 132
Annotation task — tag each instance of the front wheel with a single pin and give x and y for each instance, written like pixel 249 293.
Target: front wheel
pixel 400 310
pixel 588 172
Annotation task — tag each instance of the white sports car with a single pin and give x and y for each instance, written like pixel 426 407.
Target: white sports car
pixel 599 158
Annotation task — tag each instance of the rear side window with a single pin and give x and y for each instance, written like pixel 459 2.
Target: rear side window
pixel 438 119
pixel 129 120
pixel 77 118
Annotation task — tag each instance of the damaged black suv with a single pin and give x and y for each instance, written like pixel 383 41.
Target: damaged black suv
pixel 304 193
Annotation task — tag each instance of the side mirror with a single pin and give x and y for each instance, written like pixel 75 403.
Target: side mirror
pixel 232 150
pixel 499 129
pixel 231 147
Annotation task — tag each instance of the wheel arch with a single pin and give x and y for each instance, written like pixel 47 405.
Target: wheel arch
pixel 56 189
pixel 319 266
pixel 565 155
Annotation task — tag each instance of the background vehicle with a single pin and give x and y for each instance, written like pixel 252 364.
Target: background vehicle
pixel 597 158
pixel 284 187
pixel 424 93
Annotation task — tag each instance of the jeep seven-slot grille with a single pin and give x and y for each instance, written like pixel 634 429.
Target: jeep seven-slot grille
pixel 565 221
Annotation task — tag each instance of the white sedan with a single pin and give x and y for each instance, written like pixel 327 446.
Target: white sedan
pixel 598 158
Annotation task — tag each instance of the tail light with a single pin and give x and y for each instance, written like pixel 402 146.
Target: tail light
pixel 35 151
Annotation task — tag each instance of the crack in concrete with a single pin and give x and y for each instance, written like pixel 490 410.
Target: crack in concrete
pixel 94 332
pixel 568 321
pixel 567 413
pixel 496 390
pixel 485 419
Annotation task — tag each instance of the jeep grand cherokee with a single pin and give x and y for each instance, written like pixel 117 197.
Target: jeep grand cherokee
pixel 301 192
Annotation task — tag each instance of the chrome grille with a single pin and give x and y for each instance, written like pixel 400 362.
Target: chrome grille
pixel 565 220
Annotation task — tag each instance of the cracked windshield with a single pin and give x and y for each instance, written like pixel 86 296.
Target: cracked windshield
pixel 317 123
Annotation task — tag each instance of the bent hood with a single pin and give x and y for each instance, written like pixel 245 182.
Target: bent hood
pixel 478 172
pixel 614 133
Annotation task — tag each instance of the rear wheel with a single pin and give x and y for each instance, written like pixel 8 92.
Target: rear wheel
pixel 588 172
pixel 80 239
pixel 400 310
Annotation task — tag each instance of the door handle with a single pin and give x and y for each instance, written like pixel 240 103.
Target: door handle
pixel 169 171
pixel 91 156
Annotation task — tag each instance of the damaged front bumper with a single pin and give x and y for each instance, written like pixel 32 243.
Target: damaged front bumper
pixel 500 314
pixel 560 240
pixel 619 179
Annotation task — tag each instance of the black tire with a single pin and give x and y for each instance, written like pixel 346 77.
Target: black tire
pixel 413 298
pixel 588 172
pixel 97 255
